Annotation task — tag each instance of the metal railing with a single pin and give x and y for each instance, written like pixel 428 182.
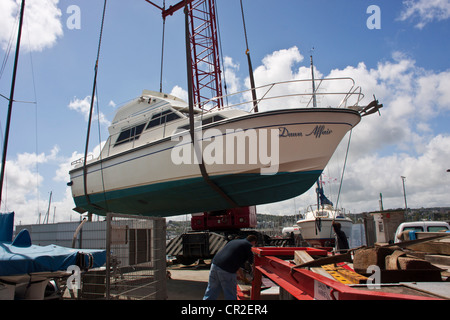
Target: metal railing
pixel 295 88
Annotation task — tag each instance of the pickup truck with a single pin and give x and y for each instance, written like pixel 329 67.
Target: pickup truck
pixel 420 226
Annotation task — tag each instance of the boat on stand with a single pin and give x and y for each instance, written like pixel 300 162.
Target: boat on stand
pixel 316 225
pixel 148 164
pixel 166 157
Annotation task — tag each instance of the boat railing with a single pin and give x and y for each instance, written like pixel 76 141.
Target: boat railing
pixel 89 157
pixel 329 92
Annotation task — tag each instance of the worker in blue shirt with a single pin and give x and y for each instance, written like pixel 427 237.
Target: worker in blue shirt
pixel 225 264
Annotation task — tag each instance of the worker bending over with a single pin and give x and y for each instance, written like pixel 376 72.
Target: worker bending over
pixel 225 264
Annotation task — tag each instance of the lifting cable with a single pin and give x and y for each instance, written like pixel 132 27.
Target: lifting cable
pixel 250 68
pixel 162 48
pixel 91 111
pixel 198 153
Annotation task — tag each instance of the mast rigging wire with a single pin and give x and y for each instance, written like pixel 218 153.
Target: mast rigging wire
pixel 343 169
pixel 91 109
pixel 8 48
pixel 11 99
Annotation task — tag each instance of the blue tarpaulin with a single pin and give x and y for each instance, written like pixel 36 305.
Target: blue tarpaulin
pixel 21 257
pixel 6 226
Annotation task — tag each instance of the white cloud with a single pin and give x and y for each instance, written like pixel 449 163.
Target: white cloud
pixel 425 11
pixel 403 141
pixel 232 80
pixel 278 66
pixel 112 104
pixel 426 182
pixel 22 184
pixel 83 106
pixel 180 93
pixel 42 24
pixel 26 191
pixel 62 173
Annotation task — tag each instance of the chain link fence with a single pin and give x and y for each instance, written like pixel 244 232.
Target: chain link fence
pixel 136 258
pixel 135 262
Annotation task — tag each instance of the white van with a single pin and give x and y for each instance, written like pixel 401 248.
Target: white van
pixel 421 226
pixel 288 230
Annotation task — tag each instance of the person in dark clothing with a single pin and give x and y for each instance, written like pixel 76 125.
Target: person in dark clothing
pixel 225 264
pixel 341 238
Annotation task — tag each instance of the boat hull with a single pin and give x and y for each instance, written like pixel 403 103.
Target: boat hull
pixel 320 233
pixel 147 180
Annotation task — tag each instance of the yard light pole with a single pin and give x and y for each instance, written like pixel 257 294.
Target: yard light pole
pixel 404 194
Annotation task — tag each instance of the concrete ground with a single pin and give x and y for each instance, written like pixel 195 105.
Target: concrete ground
pixel 187 283
pixel 190 282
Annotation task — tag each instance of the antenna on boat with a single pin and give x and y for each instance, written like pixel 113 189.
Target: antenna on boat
pixel 313 83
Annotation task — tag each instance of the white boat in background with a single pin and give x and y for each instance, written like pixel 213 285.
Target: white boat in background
pixel 316 225
pixel 136 172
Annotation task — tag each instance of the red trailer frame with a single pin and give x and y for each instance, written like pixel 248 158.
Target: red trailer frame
pixel 304 284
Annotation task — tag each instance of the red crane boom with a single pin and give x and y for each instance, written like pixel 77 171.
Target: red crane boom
pixel 205 61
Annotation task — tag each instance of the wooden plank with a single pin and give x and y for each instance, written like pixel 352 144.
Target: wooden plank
pixel 433 247
pixel 327 260
pixel 301 257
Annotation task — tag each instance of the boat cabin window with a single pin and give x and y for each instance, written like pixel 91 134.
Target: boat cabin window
pixel 205 121
pixel 130 134
pixel 161 118
pixel 211 120
pixel 323 214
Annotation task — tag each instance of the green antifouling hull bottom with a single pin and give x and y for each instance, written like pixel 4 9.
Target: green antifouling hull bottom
pixel 195 195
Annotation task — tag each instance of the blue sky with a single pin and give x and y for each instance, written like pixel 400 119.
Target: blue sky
pixel 405 64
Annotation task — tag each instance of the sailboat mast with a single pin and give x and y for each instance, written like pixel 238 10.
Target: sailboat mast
pixel 11 99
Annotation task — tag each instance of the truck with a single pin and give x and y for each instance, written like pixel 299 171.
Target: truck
pixel 212 230
pixel 419 226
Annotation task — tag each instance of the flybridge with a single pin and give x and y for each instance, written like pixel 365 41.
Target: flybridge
pixel 150 98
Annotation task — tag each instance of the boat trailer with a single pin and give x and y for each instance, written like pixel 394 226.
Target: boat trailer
pixel 305 284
